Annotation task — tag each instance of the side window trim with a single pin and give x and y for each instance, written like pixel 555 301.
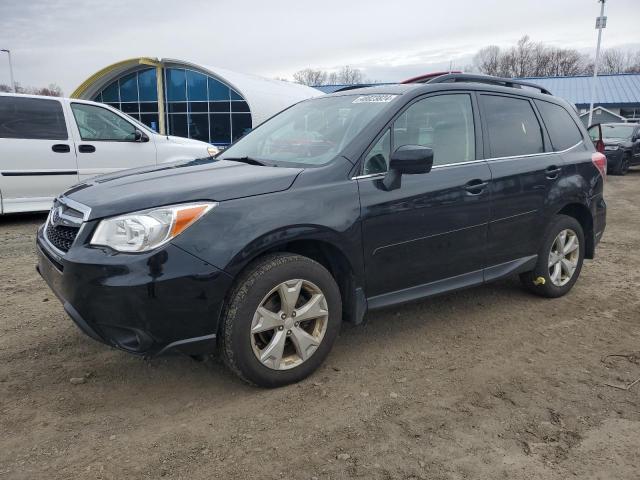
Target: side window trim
pixel 75 120
pixel 479 147
pixel 546 138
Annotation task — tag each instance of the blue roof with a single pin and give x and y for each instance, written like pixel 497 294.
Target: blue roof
pixel 611 90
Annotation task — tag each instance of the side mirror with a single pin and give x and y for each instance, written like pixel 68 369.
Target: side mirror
pixel 407 160
pixel 140 136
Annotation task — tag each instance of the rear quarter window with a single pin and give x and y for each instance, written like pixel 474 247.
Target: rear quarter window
pixel 562 129
pixel 32 118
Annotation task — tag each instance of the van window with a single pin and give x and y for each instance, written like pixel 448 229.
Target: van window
pixel 562 130
pixel 97 123
pixel 512 126
pixel 443 123
pixel 32 118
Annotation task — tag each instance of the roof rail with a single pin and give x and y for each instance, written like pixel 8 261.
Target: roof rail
pixel 488 79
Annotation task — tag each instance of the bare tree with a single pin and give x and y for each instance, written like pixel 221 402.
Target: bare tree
pixel 310 76
pixel 487 60
pixel 530 59
pixel 350 76
pixel 634 63
pixel 346 75
pixel 616 61
pixel 52 90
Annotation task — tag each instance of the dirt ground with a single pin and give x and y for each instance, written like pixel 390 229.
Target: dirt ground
pixel 487 383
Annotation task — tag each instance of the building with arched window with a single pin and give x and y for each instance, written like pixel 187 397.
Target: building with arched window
pixel 180 98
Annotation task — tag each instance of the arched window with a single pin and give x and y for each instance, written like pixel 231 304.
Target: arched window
pixel 197 105
pixel 135 94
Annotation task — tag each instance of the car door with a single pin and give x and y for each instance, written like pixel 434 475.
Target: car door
pixel 107 142
pixel 429 233
pixel 635 149
pixel 37 155
pixel 524 170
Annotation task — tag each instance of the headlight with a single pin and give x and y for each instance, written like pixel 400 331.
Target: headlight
pixel 148 229
pixel 213 151
pixel 611 147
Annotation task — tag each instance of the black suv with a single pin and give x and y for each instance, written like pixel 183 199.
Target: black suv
pixel 339 205
pixel 621 146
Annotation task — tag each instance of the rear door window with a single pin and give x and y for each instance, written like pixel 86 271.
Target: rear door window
pixel 563 131
pixel 32 118
pixel 512 125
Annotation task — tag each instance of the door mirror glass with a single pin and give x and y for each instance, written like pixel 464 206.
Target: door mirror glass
pixel 412 159
pixel 140 136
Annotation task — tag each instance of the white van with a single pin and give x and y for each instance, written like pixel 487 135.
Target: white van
pixel 48 144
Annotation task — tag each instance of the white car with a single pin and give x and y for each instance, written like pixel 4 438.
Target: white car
pixel 48 144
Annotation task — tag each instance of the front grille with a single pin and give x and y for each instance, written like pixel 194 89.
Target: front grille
pixel 63 226
pixel 61 237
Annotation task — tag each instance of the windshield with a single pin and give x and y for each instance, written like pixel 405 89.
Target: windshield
pixel 617 131
pixel 312 132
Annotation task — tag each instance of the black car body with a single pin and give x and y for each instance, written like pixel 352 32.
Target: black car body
pixel 621 146
pixel 385 234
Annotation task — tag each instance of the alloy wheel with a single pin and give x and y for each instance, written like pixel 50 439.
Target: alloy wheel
pixel 289 324
pixel 564 257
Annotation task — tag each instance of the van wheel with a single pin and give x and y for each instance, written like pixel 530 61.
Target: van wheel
pixel 559 259
pixel 281 320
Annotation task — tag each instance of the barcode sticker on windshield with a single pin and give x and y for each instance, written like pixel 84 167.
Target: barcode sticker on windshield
pixel 374 98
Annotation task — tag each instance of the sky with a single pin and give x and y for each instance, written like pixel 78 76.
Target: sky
pixel 65 41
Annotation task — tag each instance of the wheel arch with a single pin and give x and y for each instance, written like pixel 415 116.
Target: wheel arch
pixel 325 250
pixel 583 215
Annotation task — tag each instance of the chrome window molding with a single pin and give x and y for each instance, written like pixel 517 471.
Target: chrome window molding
pixel 535 154
pixel 375 175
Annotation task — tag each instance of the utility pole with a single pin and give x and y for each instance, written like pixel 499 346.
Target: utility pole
pixel 601 22
pixel 13 83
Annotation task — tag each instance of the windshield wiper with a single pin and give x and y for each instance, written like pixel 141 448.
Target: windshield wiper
pixel 249 160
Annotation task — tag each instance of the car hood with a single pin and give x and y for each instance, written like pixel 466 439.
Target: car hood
pixel 178 182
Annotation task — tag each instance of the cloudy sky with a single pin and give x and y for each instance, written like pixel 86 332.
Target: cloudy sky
pixel 65 41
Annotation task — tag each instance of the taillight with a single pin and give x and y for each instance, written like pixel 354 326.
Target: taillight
pixel 600 161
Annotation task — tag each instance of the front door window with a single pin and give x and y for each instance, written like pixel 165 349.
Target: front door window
pixel 97 123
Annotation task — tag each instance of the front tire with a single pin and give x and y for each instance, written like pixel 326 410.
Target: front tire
pixel 559 260
pixel 281 320
pixel 623 166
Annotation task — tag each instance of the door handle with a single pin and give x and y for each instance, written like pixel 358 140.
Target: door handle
pixel 475 187
pixel 552 172
pixel 86 149
pixel 61 148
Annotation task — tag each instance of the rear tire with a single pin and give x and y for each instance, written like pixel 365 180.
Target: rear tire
pixel 559 259
pixel 281 320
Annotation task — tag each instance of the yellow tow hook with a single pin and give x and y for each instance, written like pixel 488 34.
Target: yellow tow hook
pixel 539 281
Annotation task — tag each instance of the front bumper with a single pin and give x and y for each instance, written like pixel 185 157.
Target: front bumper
pixel 614 157
pixel 145 304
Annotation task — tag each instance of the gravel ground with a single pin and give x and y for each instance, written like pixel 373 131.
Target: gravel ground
pixel 486 383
